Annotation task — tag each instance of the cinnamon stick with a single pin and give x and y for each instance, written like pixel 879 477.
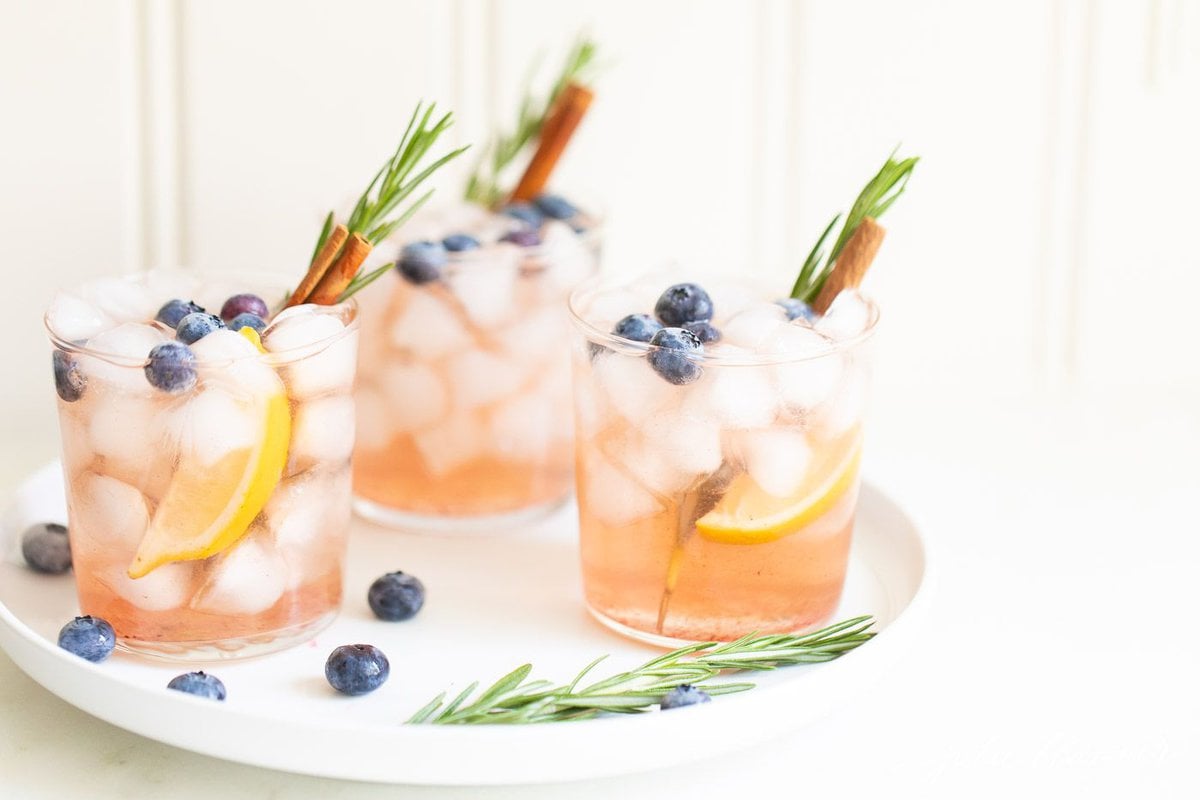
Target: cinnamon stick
pixel 852 263
pixel 338 276
pixel 557 130
pixel 320 265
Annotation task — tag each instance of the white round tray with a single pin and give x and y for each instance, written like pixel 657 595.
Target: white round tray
pixel 493 603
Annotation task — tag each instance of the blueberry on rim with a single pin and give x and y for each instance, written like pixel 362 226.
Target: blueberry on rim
pixel 669 356
pixel 683 303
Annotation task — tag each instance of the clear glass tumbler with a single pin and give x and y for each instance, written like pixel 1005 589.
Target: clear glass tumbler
pixel 464 395
pixel 717 491
pixel 208 495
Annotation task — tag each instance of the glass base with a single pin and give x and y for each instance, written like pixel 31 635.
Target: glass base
pixel 230 649
pixel 672 643
pixel 473 525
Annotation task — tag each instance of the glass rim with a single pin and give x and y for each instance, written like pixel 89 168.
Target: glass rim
pixel 619 344
pixel 476 258
pixel 347 310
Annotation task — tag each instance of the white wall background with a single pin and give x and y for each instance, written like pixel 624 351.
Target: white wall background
pixel 1045 246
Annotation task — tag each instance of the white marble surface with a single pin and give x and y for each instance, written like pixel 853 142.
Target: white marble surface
pixel 1059 661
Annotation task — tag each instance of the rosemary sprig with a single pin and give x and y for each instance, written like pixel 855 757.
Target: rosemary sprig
pixel 374 215
pixel 875 198
pixel 483 187
pixel 514 699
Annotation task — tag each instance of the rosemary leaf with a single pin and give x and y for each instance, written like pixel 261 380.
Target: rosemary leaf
pixel 515 700
pixel 875 198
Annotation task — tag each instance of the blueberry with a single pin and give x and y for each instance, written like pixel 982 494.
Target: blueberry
pixel 669 358
pixel 200 684
pixel 69 382
pixel 683 303
pixel 796 309
pixel 422 262
pixel 457 242
pixel 555 206
pixel 684 695
pixel 705 332
pixel 196 326
pixel 172 367
pixel 396 596
pixel 522 238
pixel 88 637
pixel 175 310
pixel 524 212
pixel 638 327
pixel 356 668
pixel 247 320
pixel 46 548
pixel 244 304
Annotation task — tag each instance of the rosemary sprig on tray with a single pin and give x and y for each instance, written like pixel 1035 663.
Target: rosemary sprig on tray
pixel 483 187
pixel 875 198
pixel 516 700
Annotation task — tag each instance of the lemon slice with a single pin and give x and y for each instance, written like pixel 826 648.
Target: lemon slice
pixel 208 507
pixel 251 335
pixel 747 514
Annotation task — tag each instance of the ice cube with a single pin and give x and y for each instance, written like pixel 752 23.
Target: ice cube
pixel 125 349
pixel 523 427
pixel 730 298
pixel 228 361
pixel 427 328
pixel 611 496
pixel 847 316
pixel 415 396
pixel 246 579
pixel 451 443
pixel 307 518
pixel 168 284
pixel 754 327
pixel 317 354
pixel 811 371
pixel 109 516
pixel 322 432
pixel 537 334
pixel 485 287
pixel 652 468
pixel 373 419
pixel 122 299
pixel 848 405
pixel 605 308
pixel 478 378
pixel 567 256
pixel 127 433
pixel 212 424
pixel 735 396
pixel 631 387
pixel 74 319
pixel 688 444
pixel 167 587
pixel 777 459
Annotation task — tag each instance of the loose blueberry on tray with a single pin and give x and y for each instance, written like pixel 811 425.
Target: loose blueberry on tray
pixel 200 684
pixel 88 637
pixel 684 695
pixel 396 596
pixel 46 548
pixel 356 669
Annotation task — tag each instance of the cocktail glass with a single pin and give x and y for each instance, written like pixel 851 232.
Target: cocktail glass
pixel 464 379
pixel 207 519
pixel 721 503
